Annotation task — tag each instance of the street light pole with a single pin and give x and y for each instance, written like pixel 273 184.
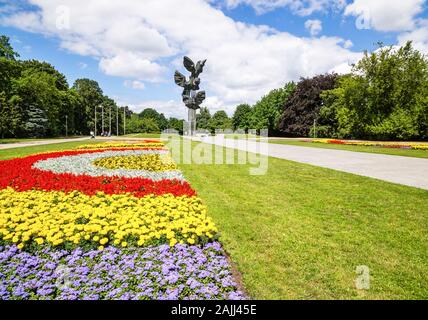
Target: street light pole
pixel 117 121
pixel 95 123
pixel 315 128
pixel 109 129
pixel 102 119
pixel 124 120
pixel 66 125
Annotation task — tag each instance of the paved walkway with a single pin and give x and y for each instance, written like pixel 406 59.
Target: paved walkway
pixel 38 143
pixel 403 170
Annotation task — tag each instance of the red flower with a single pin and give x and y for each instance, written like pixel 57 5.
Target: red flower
pixel 19 174
pixel 336 141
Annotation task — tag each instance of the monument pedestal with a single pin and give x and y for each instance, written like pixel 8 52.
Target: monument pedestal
pixel 191 122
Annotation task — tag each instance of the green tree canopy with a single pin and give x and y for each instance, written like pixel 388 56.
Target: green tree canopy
pixel 267 111
pixel 159 118
pixel 91 97
pixel 176 124
pixel 242 117
pixel 6 49
pixel 203 118
pixel 385 97
pixel 220 120
pixel 303 105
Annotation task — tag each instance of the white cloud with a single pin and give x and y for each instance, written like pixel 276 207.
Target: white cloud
pixel 128 64
pixel 419 36
pixel 313 26
pixel 136 40
pixel 385 15
pixel 300 7
pixel 82 65
pixel 348 44
pixel 135 84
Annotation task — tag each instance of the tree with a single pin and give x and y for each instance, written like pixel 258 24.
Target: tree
pixel 10 117
pixel 37 122
pixel 242 117
pixel 9 69
pixel 267 111
pixel 203 118
pixel 159 118
pixel 37 89
pixel 42 66
pixel 162 122
pixel 90 96
pixel 149 113
pixel 176 124
pixel 385 97
pixel 150 125
pixel 303 106
pixel 135 124
pixel 220 120
pixel 6 49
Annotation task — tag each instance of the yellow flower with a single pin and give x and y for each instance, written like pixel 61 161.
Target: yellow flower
pixel 55 217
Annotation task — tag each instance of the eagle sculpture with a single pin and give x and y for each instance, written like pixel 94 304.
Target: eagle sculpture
pixel 192 98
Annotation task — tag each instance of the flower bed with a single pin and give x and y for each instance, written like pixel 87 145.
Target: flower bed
pixel 398 145
pixel 145 144
pixel 161 272
pixel 116 236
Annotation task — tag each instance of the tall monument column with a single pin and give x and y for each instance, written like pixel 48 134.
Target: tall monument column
pixel 192 122
pixel 192 98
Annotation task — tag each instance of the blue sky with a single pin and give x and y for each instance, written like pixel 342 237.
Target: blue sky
pixel 133 47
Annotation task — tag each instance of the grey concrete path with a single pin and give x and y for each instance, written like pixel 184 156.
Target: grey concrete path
pixel 38 143
pixel 403 170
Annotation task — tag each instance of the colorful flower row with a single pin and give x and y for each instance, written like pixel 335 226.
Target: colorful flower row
pixel 111 145
pixel 88 164
pixel 150 162
pixel 82 224
pixel 75 218
pixel 22 176
pixel 161 272
pixel 398 145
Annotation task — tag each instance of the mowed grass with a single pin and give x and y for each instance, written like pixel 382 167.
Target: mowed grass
pixel 390 151
pixel 300 231
pixel 17 140
pixel 143 135
pixel 24 151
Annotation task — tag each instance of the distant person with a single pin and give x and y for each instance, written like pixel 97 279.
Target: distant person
pixel 92 135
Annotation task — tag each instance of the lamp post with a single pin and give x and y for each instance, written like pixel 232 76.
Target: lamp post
pixel 315 128
pixel 124 120
pixel 102 119
pixel 66 125
pixel 95 123
pixel 117 121
pixel 109 129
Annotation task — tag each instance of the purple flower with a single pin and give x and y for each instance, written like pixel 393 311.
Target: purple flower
pixel 159 272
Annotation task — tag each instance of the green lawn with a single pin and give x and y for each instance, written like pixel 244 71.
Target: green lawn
pixel 143 135
pixel 300 231
pixel 23 151
pixel 15 140
pixel 5 141
pixel 390 151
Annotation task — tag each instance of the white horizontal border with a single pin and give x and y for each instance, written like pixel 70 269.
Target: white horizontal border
pixel 82 164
